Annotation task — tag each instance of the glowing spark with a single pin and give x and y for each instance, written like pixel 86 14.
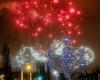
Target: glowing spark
pixel 72 10
pixel 55 1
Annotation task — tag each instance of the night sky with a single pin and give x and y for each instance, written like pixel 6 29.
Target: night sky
pixel 90 28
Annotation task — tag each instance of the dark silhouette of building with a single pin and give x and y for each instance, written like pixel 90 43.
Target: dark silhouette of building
pixel 91 76
pixel 6 63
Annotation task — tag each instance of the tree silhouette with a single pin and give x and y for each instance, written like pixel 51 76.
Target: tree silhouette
pixel 48 74
pixel 62 77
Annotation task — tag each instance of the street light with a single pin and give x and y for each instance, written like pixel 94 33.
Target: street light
pixel 55 73
pixel 27 68
pixel 39 77
pixel 2 77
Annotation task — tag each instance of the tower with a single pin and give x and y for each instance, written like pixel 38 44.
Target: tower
pixel 6 63
pixel 42 68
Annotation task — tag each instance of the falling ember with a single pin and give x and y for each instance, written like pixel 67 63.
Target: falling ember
pixel 69 33
pixel 74 41
pixel 72 10
pixel 21 24
pixel 27 6
pixel 70 3
pixel 67 17
pixel 60 19
pixel 39 29
pixel 17 21
pixel 78 12
pixel 35 35
pixel 79 33
pixel 55 1
pixel 50 35
pixel 70 24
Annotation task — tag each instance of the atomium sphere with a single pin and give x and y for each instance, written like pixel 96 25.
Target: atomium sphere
pixel 84 56
pixel 51 64
pixel 67 58
pixel 66 40
pixel 51 53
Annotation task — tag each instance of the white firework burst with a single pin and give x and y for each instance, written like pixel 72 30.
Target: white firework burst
pixel 27 55
pixel 84 55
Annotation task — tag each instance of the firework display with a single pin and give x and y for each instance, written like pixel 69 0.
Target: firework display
pixel 71 58
pixel 68 57
pixel 46 19
pixel 84 55
pixel 52 27
pixel 32 12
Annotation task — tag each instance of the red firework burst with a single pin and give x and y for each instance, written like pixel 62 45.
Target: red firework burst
pixel 48 18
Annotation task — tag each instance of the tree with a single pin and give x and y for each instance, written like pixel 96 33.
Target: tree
pixel 48 74
pixel 62 77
